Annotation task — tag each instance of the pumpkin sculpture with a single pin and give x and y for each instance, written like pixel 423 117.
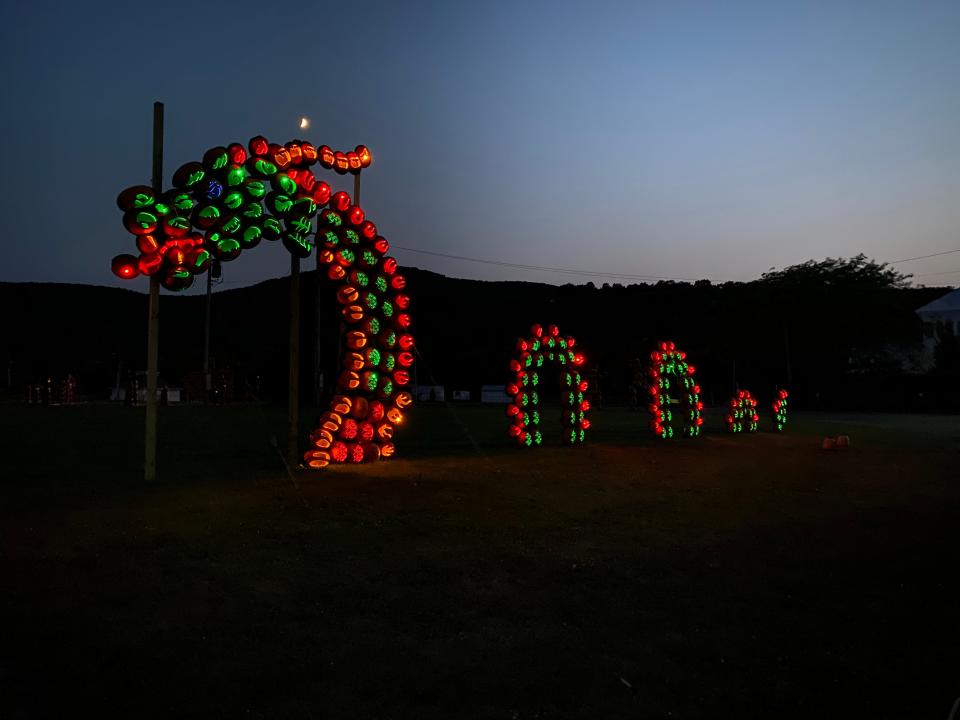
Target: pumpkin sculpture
pixel 239 195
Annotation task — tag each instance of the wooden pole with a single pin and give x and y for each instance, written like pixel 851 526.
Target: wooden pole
pixel 207 380
pixel 318 334
pixel 153 323
pixel 293 403
pixel 356 189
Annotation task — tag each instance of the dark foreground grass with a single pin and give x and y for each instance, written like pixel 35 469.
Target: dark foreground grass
pixel 726 577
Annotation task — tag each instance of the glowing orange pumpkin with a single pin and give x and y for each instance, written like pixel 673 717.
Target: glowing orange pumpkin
pixel 317 458
pixel 342 404
pixel 348 380
pixel 352 313
pixel 330 421
pixel 356 340
pixel 353 361
pixel 347 295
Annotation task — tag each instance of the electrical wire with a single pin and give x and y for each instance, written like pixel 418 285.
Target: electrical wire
pixel 543 268
pixel 600 274
pixel 924 257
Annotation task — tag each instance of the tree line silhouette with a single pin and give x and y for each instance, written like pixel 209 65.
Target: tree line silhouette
pixel 839 333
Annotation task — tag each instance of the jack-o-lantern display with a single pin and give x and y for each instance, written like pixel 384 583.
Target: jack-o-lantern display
pixel 742 413
pixel 239 195
pixel 546 347
pixel 779 408
pixel 675 404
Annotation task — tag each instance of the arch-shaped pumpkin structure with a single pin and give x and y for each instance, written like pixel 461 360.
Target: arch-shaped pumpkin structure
pixel 540 348
pixel 675 405
pixel 742 413
pixel 779 408
pixel 239 195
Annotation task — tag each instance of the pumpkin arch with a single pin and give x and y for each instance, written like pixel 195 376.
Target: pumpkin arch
pixel 239 195
pixel 742 413
pixel 672 382
pixel 531 354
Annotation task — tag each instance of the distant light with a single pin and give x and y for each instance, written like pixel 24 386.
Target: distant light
pixel 304 123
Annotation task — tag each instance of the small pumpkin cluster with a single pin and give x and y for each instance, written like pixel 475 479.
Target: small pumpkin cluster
pixel 357 430
pixel 378 347
pixel 546 346
pixel 345 162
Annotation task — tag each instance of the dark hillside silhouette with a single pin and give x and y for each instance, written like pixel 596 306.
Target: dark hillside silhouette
pixel 838 332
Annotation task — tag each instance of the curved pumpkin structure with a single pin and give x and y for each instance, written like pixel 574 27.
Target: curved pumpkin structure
pixel 239 195
pixel 742 413
pixel 539 348
pixel 675 405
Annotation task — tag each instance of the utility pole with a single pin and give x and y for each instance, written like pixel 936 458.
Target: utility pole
pixel 214 269
pixel 293 400
pixel 318 333
pixel 153 326
pixel 206 338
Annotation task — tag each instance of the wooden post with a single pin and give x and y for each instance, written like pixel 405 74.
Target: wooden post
pixel 293 402
pixel 153 323
pixel 207 379
pixel 318 334
pixel 356 189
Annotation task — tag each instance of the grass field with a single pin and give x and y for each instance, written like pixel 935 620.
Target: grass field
pixel 747 576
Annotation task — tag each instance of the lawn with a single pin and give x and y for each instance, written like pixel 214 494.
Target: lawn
pixel 729 576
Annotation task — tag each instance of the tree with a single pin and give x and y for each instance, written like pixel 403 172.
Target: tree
pixel 855 272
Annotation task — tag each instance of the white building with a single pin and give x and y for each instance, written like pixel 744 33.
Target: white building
pixel 941 317
pixel 494 394
pixel 429 393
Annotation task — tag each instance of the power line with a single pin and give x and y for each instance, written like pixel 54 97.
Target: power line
pixel 599 274
pixel 924 257
pixel 566 271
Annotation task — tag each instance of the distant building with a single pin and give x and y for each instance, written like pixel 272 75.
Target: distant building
pixel 940 318
pixel 429 393
pixel 461 395
pixel 495 394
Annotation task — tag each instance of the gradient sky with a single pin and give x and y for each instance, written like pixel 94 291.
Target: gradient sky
pixel 675 139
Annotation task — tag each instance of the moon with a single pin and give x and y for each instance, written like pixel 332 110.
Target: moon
pixel 304 123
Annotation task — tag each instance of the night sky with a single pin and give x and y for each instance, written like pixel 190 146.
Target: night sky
pixel 673 139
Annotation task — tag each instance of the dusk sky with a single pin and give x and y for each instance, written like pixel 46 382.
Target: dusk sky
pixel 674 139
